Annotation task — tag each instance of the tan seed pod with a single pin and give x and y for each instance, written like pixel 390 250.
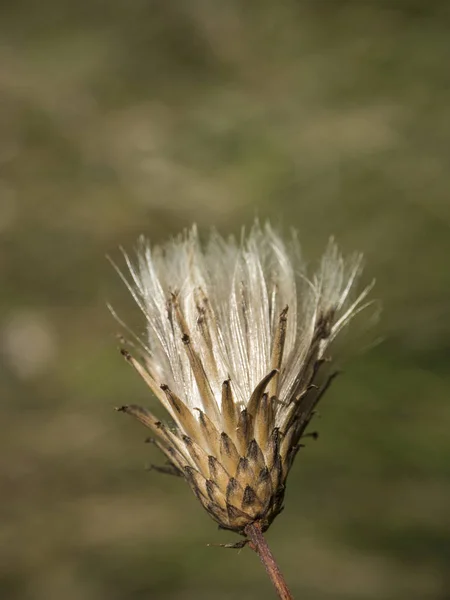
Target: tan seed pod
pixel 237 339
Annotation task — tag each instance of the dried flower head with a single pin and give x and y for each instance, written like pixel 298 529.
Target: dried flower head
pixel 236 336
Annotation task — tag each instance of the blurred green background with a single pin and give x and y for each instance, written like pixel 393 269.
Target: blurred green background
pixel 121 118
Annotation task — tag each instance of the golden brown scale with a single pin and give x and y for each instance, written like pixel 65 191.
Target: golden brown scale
pixel 239 473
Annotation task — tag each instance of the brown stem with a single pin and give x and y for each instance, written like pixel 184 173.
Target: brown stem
pixel 259 545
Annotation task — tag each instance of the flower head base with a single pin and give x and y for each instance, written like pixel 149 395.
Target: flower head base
pixel 236 337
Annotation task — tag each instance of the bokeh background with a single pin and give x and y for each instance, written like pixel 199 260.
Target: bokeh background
pixel 122 118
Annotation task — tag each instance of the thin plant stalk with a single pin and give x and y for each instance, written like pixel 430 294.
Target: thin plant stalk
pixel 259 544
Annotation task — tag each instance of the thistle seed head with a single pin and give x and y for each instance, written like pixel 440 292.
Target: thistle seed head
pixel 237 334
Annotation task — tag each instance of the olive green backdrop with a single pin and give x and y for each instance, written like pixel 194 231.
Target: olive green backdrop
pixel 122 118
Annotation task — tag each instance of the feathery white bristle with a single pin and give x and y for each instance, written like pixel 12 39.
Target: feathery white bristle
pixel 231 296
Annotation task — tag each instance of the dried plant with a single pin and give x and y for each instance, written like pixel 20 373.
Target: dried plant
pixel 237 336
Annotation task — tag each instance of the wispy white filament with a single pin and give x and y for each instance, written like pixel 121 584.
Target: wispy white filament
pixel 231 295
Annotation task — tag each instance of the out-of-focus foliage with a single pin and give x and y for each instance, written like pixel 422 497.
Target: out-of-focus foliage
pixel 121 118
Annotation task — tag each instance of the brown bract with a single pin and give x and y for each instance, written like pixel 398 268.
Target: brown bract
pixel 238 470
